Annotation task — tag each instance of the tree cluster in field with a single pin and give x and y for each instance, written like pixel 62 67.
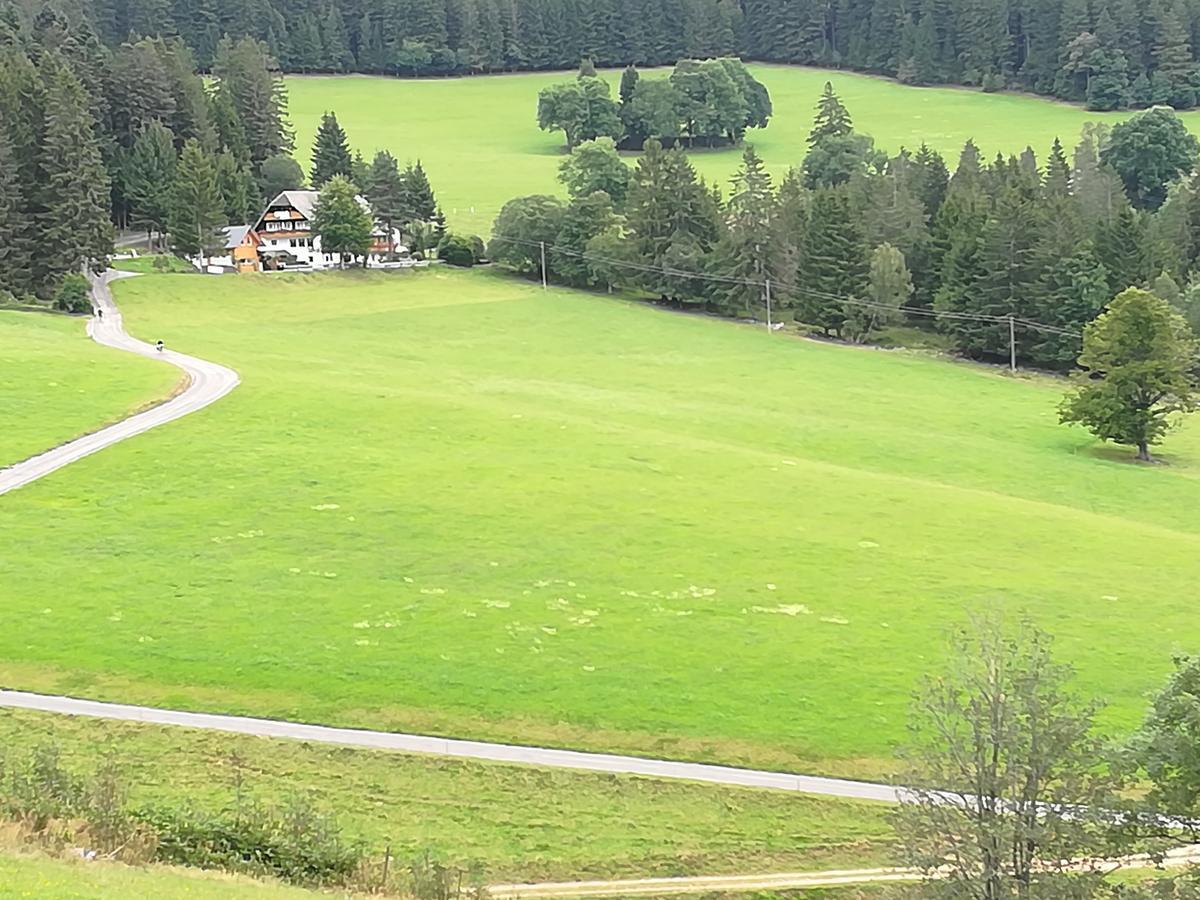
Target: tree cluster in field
pixel 852 235
pixel 400 199
pixel 702 103
pixel 1109 54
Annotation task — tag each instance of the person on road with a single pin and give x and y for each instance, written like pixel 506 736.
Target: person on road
pixel 99 312
pixel 158 346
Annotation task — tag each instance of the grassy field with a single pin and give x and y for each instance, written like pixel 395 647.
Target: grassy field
pixel 451 502
pixel 511 822
pixel 478 137
pixel 55 384
pixel 36 877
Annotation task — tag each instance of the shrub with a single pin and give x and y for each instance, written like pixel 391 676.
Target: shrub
pixel 296 843
pixel 458 250
pixel 74 295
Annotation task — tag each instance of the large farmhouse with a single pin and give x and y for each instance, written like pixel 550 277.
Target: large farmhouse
pixel 287 240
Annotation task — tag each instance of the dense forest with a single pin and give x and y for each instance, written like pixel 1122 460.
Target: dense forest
pixel 1107 53
pixel 852 240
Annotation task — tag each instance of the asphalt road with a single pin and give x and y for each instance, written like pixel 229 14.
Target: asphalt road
pixel 207 383
pixel 477 750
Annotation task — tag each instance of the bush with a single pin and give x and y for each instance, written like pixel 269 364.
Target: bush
pixel 74 295
pixel 478 248
pixel 296 843
pixel 992 82
pixel 458 250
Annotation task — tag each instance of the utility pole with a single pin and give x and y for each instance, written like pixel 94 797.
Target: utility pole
pixel 543 246
pixel 768 286
pixel 1012 345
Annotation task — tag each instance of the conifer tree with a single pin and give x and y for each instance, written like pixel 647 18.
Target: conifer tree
pixel 239 193
pixel 331 152
pixel 386 192
pixel 833 273
pixel 418 193
pixel 197 208
pixel 1122 246
pixel 246 75
pixel 748 249
pixel 930 178
pixel 74 227
pixel 1057 179
pixel 150 176
pixel 12 260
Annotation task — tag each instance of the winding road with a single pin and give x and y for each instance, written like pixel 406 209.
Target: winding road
pixel 207 383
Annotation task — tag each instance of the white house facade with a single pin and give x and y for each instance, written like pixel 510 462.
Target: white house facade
pixel 287 240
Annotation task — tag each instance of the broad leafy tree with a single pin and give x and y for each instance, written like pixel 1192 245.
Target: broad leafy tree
pixel 1007 770
pixel 525 228
pixel 279 173
pixel 1137 372
pixel 341 221
pixel 581 109
pixel 1148 152
pixel 595 166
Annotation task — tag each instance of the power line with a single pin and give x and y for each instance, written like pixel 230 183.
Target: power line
pixel 767 284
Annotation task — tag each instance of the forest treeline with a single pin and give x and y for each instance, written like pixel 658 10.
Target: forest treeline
pixel 93 138
pixel 845 240
pixel 1107 53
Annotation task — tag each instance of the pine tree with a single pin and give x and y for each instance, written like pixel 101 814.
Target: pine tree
pixel 748 249
pixel 237 189
pixel 418 193
pixel 246 75
pixel 330 153
pixel 337 56
pixel 1122 246
pixel 74 222
pixel 889 287
pixel 386 192
pixel 12 260
pixel 1172 58
pixel 930 179
pixel 832 119
pixel 150 176
pixel 1057 179
pixel 1072 291
pixel 832 277
pixel 197 208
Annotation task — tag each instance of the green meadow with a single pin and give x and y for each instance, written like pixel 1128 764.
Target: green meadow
pixel 478 137
pixel 452 502
pixel 510 822
pixel 56 385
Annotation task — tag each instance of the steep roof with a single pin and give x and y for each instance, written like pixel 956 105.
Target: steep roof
pixel 305 202
pixel 235 235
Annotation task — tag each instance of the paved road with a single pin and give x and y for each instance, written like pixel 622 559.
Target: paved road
pixel 480 750
pixel 207 383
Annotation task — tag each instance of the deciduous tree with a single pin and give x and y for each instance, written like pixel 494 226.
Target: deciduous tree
pixel 1136 372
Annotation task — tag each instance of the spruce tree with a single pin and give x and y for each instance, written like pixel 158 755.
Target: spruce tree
pixel 1057 179
pixel 585 218
pixel 930 179
pixel 12 261
pixel 197 208
pixel 247 76
pixel 1072 291
pixel 74 208
pixel 239 193
pixel 1173 63
pixel 832 277
pixel 748 250
pixel 832 119
pixel 1122 246
pixel 385 191
pixel 418 193
pixel 150 176
pixel 330 153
